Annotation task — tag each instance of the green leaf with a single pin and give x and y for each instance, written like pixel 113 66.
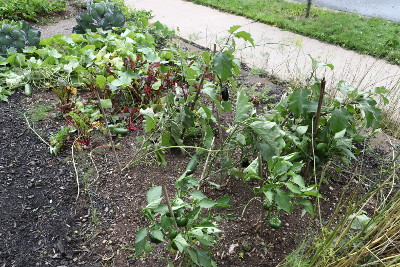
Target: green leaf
pixel 302 129
pixel 234 28
pixel 252 168
pixel 293 187
pixel 207 203
pixel 245 36
pixel 371 113
pixel 101 81
pixel 160 157
pixel 180 242
pixel 300 104
pixel 140 241
pixel 157 234
pixel 204 258
pixel 166 222
pixel 149 124
pixel 106 103
pixel 193 255
pixel 197 194
pixel 271 135
pixel 222 65
pixel 153 197
pixel 340 134
pixel 308 206
pixel 297 179
pixel 243 106
pixel 283 200
pixel 339 120
pixel 124 79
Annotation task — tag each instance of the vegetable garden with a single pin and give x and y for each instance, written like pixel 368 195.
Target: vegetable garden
pixel 182 154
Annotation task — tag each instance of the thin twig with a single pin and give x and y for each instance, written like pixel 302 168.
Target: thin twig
pixel 206 163
pixel 34 131
pixel 76 171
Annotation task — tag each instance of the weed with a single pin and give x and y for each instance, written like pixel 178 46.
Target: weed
pixel 39 112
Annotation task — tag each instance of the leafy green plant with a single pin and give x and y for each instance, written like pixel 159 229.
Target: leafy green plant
pixel 58 141
pixel 17 35
pixel 29 9
pixel 104 15
pixel 185 222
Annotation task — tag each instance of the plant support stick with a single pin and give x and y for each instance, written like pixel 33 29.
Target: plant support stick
pixel 164 188
pixel 108 130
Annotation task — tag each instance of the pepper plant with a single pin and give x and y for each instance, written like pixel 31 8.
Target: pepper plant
pixel 185 223
pixel 303 129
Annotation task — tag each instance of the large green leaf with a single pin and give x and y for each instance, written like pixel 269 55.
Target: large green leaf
pixel 245 36
pixel 153 197
pixel 371 113
pixel 180 242
pixel 271 135
pixel 243 106
pixel 283 200
pixel 140 241
pixel 339 120
pixel 204 258
pixel 300 104
pixel 222 65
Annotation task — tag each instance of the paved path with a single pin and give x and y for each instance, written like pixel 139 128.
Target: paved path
pixel 385 9
pixel 281 53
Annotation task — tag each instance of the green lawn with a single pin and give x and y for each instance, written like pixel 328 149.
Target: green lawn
pixel 376 37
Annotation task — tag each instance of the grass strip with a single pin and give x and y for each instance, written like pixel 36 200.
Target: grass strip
pixel 373 36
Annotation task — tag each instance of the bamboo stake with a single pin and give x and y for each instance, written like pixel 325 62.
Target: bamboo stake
pixel 108 130
pixel 165 192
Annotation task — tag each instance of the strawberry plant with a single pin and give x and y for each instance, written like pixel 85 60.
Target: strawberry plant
pixel 185 223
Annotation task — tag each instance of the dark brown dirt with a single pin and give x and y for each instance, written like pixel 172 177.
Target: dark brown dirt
pixel 37 209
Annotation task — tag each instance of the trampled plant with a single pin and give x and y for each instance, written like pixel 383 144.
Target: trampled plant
pixel 185 223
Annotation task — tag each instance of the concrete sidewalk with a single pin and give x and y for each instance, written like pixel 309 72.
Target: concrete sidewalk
pixel 280 53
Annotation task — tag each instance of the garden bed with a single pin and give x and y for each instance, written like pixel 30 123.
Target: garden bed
pixel 77 209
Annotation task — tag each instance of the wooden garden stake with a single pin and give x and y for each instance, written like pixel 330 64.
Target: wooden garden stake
pixel 108 130
pixel 315 124
pixel 260 174
pixel 165 192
